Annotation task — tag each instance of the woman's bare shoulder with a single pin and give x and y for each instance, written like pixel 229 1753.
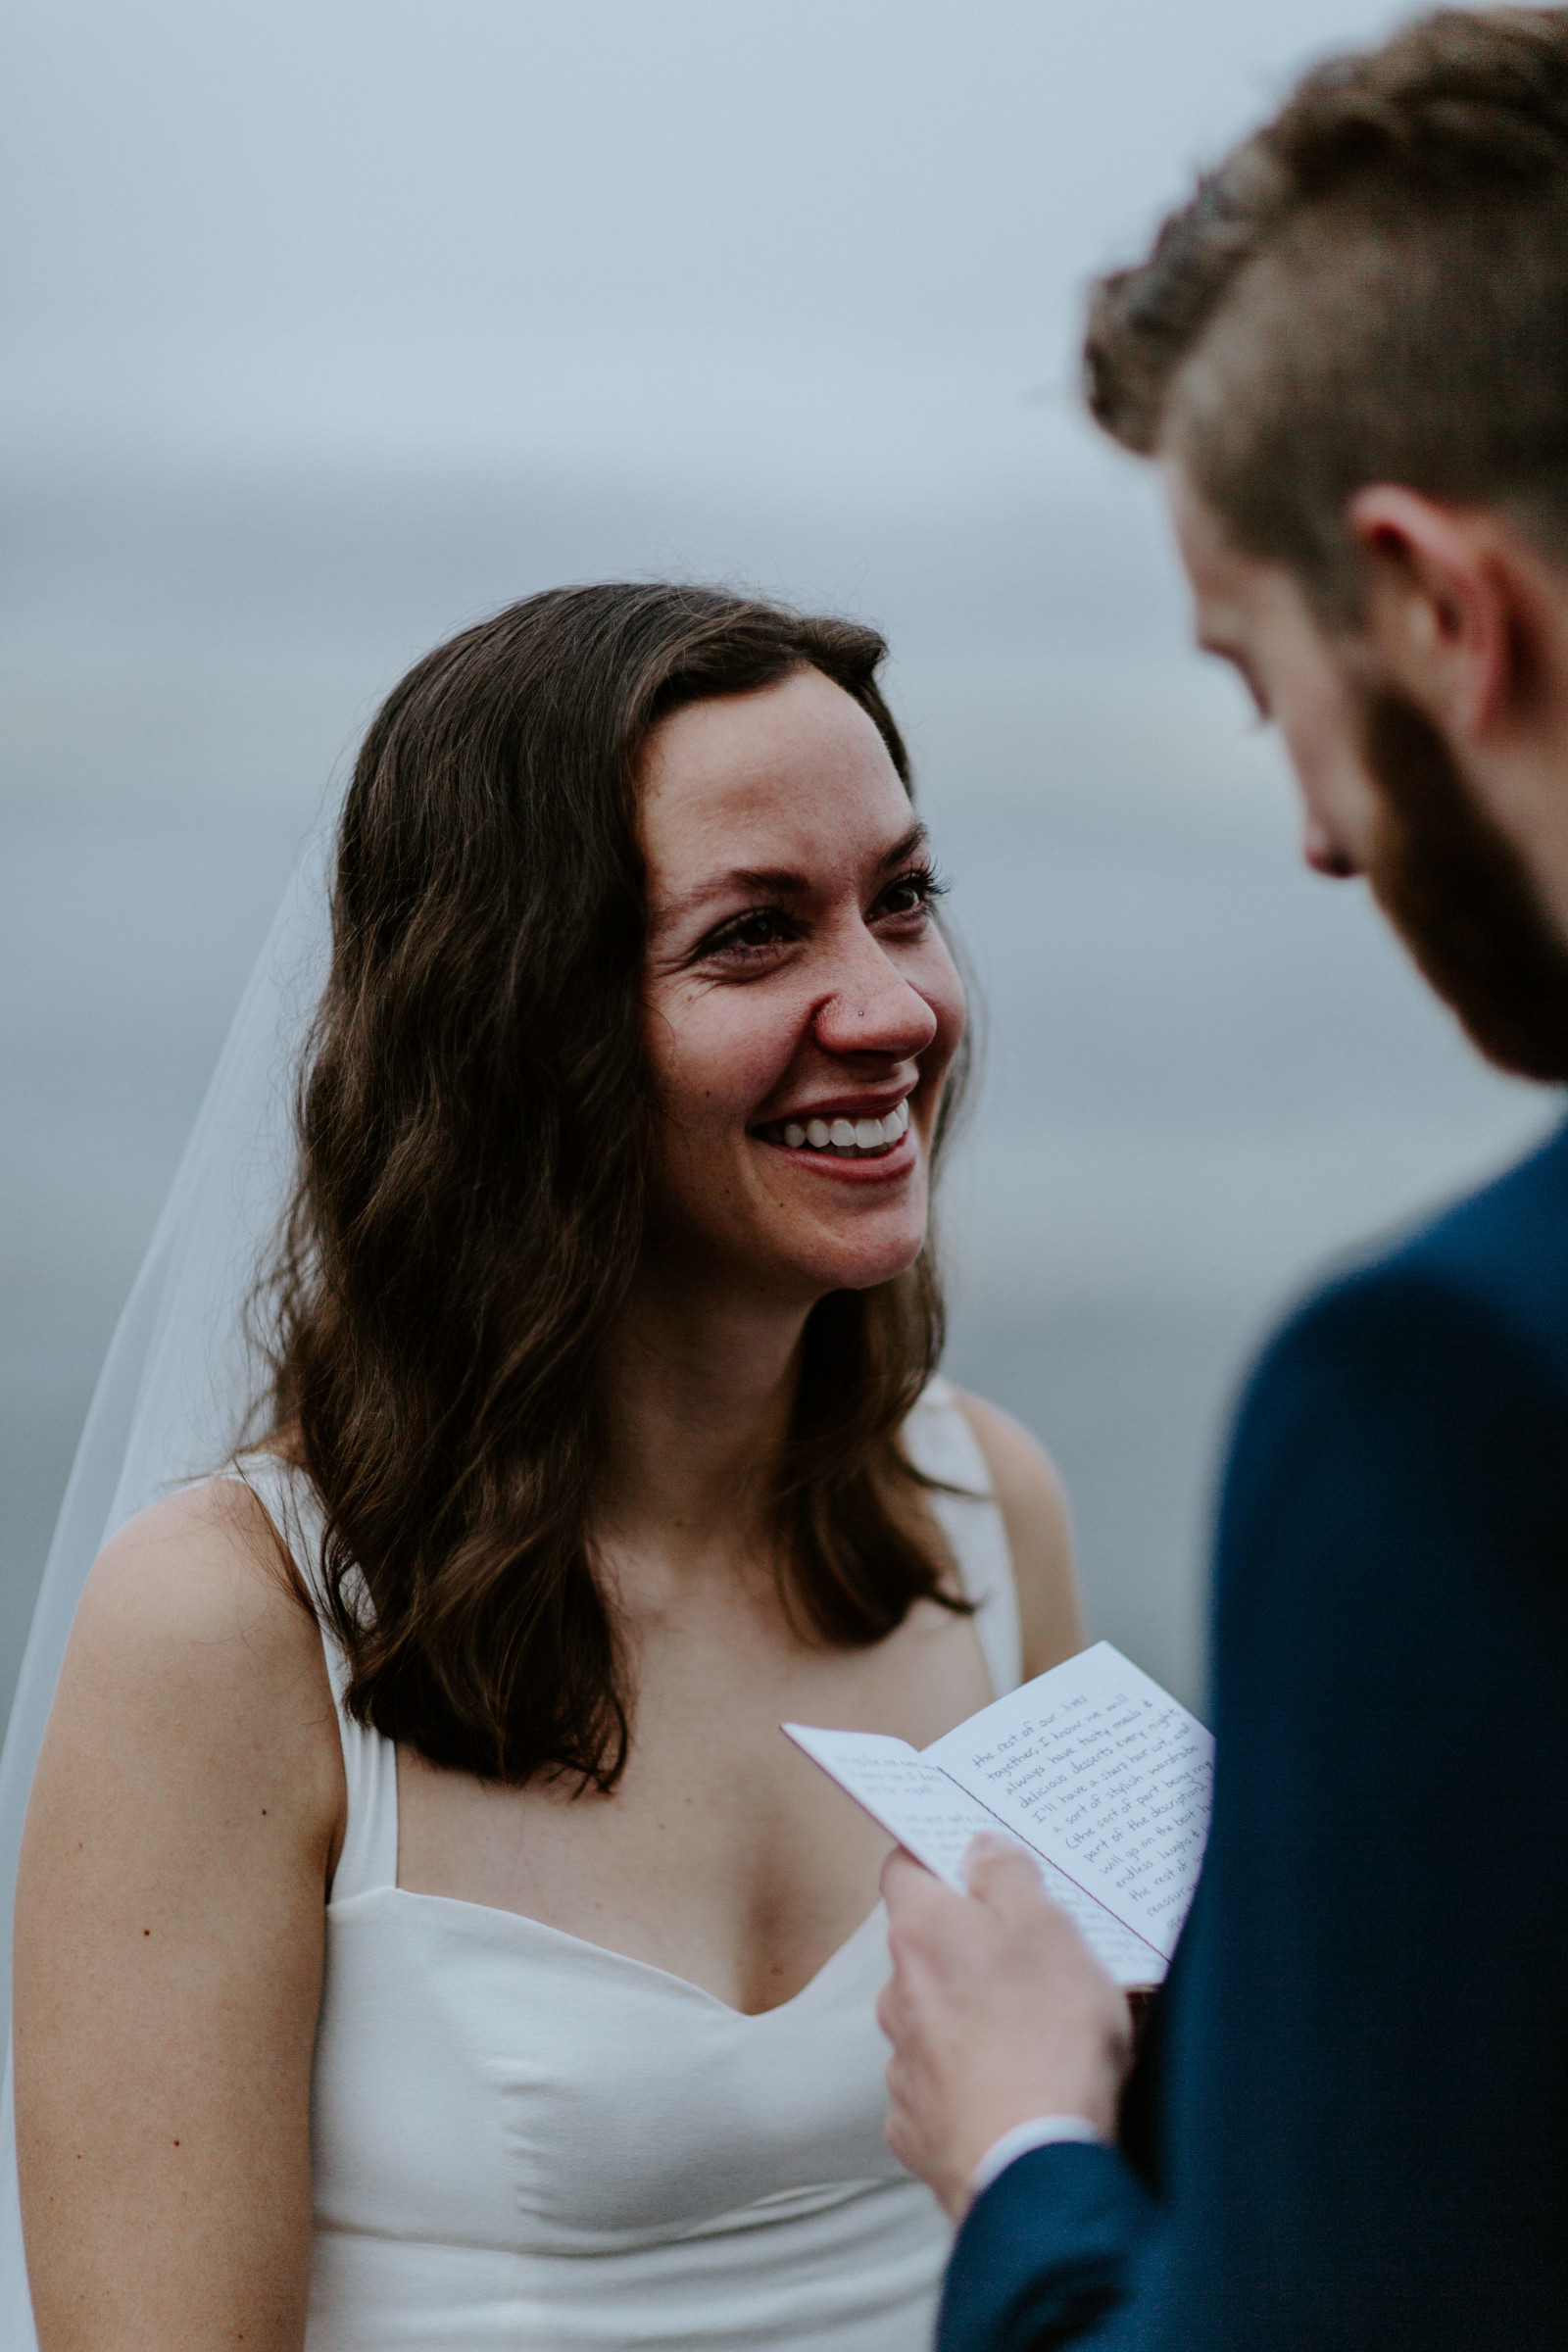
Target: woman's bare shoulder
pixel 1034 1510
pixel 196 1566
pixel 193 1620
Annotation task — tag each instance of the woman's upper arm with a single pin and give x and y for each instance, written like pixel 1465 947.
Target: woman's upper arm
pixel 170 1934
pixel 1034 1511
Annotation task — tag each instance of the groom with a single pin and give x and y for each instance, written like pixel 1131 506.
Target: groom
pixel 1347 2130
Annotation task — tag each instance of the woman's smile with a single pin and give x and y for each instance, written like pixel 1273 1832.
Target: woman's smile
pixel 840 1131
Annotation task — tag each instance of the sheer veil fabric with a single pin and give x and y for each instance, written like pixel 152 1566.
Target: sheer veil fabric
pixel 177 1378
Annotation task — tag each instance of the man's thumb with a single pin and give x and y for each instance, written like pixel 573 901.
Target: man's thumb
pixel 1000 1872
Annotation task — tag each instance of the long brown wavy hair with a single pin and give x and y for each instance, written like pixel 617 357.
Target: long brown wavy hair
pixel 474 1117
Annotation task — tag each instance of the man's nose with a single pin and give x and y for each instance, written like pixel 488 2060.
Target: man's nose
pixel 1324 853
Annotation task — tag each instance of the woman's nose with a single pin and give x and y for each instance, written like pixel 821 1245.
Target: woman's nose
pixel 873 1009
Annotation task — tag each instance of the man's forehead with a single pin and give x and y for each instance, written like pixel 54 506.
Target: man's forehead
pixel 1215 565
pixel 1234 594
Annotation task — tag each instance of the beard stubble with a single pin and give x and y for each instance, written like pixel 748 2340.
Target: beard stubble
pixel 1459 895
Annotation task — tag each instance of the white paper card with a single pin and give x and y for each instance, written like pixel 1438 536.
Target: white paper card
pixel 1105 1774
pixel 915 1802
pixel 1098 1771
pixel 934 1819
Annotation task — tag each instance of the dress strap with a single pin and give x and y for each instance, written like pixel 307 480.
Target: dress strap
pixel 369 1855
pixel 940 1441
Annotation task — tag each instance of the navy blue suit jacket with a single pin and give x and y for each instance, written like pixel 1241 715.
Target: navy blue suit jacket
pixel 1349 2128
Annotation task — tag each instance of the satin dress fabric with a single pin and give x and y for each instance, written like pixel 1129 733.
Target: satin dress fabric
pixel 523 2139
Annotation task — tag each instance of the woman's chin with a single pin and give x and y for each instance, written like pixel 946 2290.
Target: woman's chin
pixel 858 1267
pixel 795 1248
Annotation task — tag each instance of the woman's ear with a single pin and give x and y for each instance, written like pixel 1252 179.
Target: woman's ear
pixel 1452 609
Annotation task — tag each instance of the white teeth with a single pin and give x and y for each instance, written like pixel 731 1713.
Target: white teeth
pixel 845 1135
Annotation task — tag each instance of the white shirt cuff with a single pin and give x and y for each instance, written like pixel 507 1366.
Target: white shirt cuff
pixel 1040 2132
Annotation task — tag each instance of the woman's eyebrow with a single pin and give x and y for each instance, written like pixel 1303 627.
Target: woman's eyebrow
pixel 778 879
pixel 905 846
pixel 783 881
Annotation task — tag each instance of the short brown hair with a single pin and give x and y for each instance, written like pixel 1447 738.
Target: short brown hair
pixel 1373 287
pixel 474 1119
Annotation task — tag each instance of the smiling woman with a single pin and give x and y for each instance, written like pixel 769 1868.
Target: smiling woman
pixel 819 988
pixel 422 1928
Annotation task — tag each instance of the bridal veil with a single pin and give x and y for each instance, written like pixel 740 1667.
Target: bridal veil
pixel 177 1379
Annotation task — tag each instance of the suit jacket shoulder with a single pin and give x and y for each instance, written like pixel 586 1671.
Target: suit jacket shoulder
pixel 1503 1250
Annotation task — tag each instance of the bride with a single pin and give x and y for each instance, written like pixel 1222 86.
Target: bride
pixel 423 1936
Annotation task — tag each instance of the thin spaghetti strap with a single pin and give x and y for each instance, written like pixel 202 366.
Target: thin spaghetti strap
pixel 940 1441
pixel 369 1855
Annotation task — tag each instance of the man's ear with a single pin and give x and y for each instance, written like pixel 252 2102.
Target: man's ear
pixel 1451 607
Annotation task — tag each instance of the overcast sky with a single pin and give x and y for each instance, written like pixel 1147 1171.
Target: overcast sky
pixel 826 239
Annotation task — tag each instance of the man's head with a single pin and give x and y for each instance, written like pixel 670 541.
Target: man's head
pixel 1349 355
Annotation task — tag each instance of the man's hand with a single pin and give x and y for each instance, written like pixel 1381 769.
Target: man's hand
pixel 996 2011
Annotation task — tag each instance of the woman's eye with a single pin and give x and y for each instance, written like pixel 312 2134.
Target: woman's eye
pixel 910 894
pixel 749 934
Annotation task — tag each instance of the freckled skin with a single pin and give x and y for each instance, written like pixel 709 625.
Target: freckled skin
pixel 852 994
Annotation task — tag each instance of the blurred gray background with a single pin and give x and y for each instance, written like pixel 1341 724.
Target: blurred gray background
pixel 333 325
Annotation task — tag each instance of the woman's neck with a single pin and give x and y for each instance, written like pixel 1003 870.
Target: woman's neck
pixel 700 1394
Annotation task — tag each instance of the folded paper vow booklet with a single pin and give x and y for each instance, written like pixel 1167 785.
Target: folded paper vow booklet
pixel 1095 1769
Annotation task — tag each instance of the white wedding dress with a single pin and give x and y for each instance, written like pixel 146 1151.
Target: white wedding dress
pixel 522 2140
